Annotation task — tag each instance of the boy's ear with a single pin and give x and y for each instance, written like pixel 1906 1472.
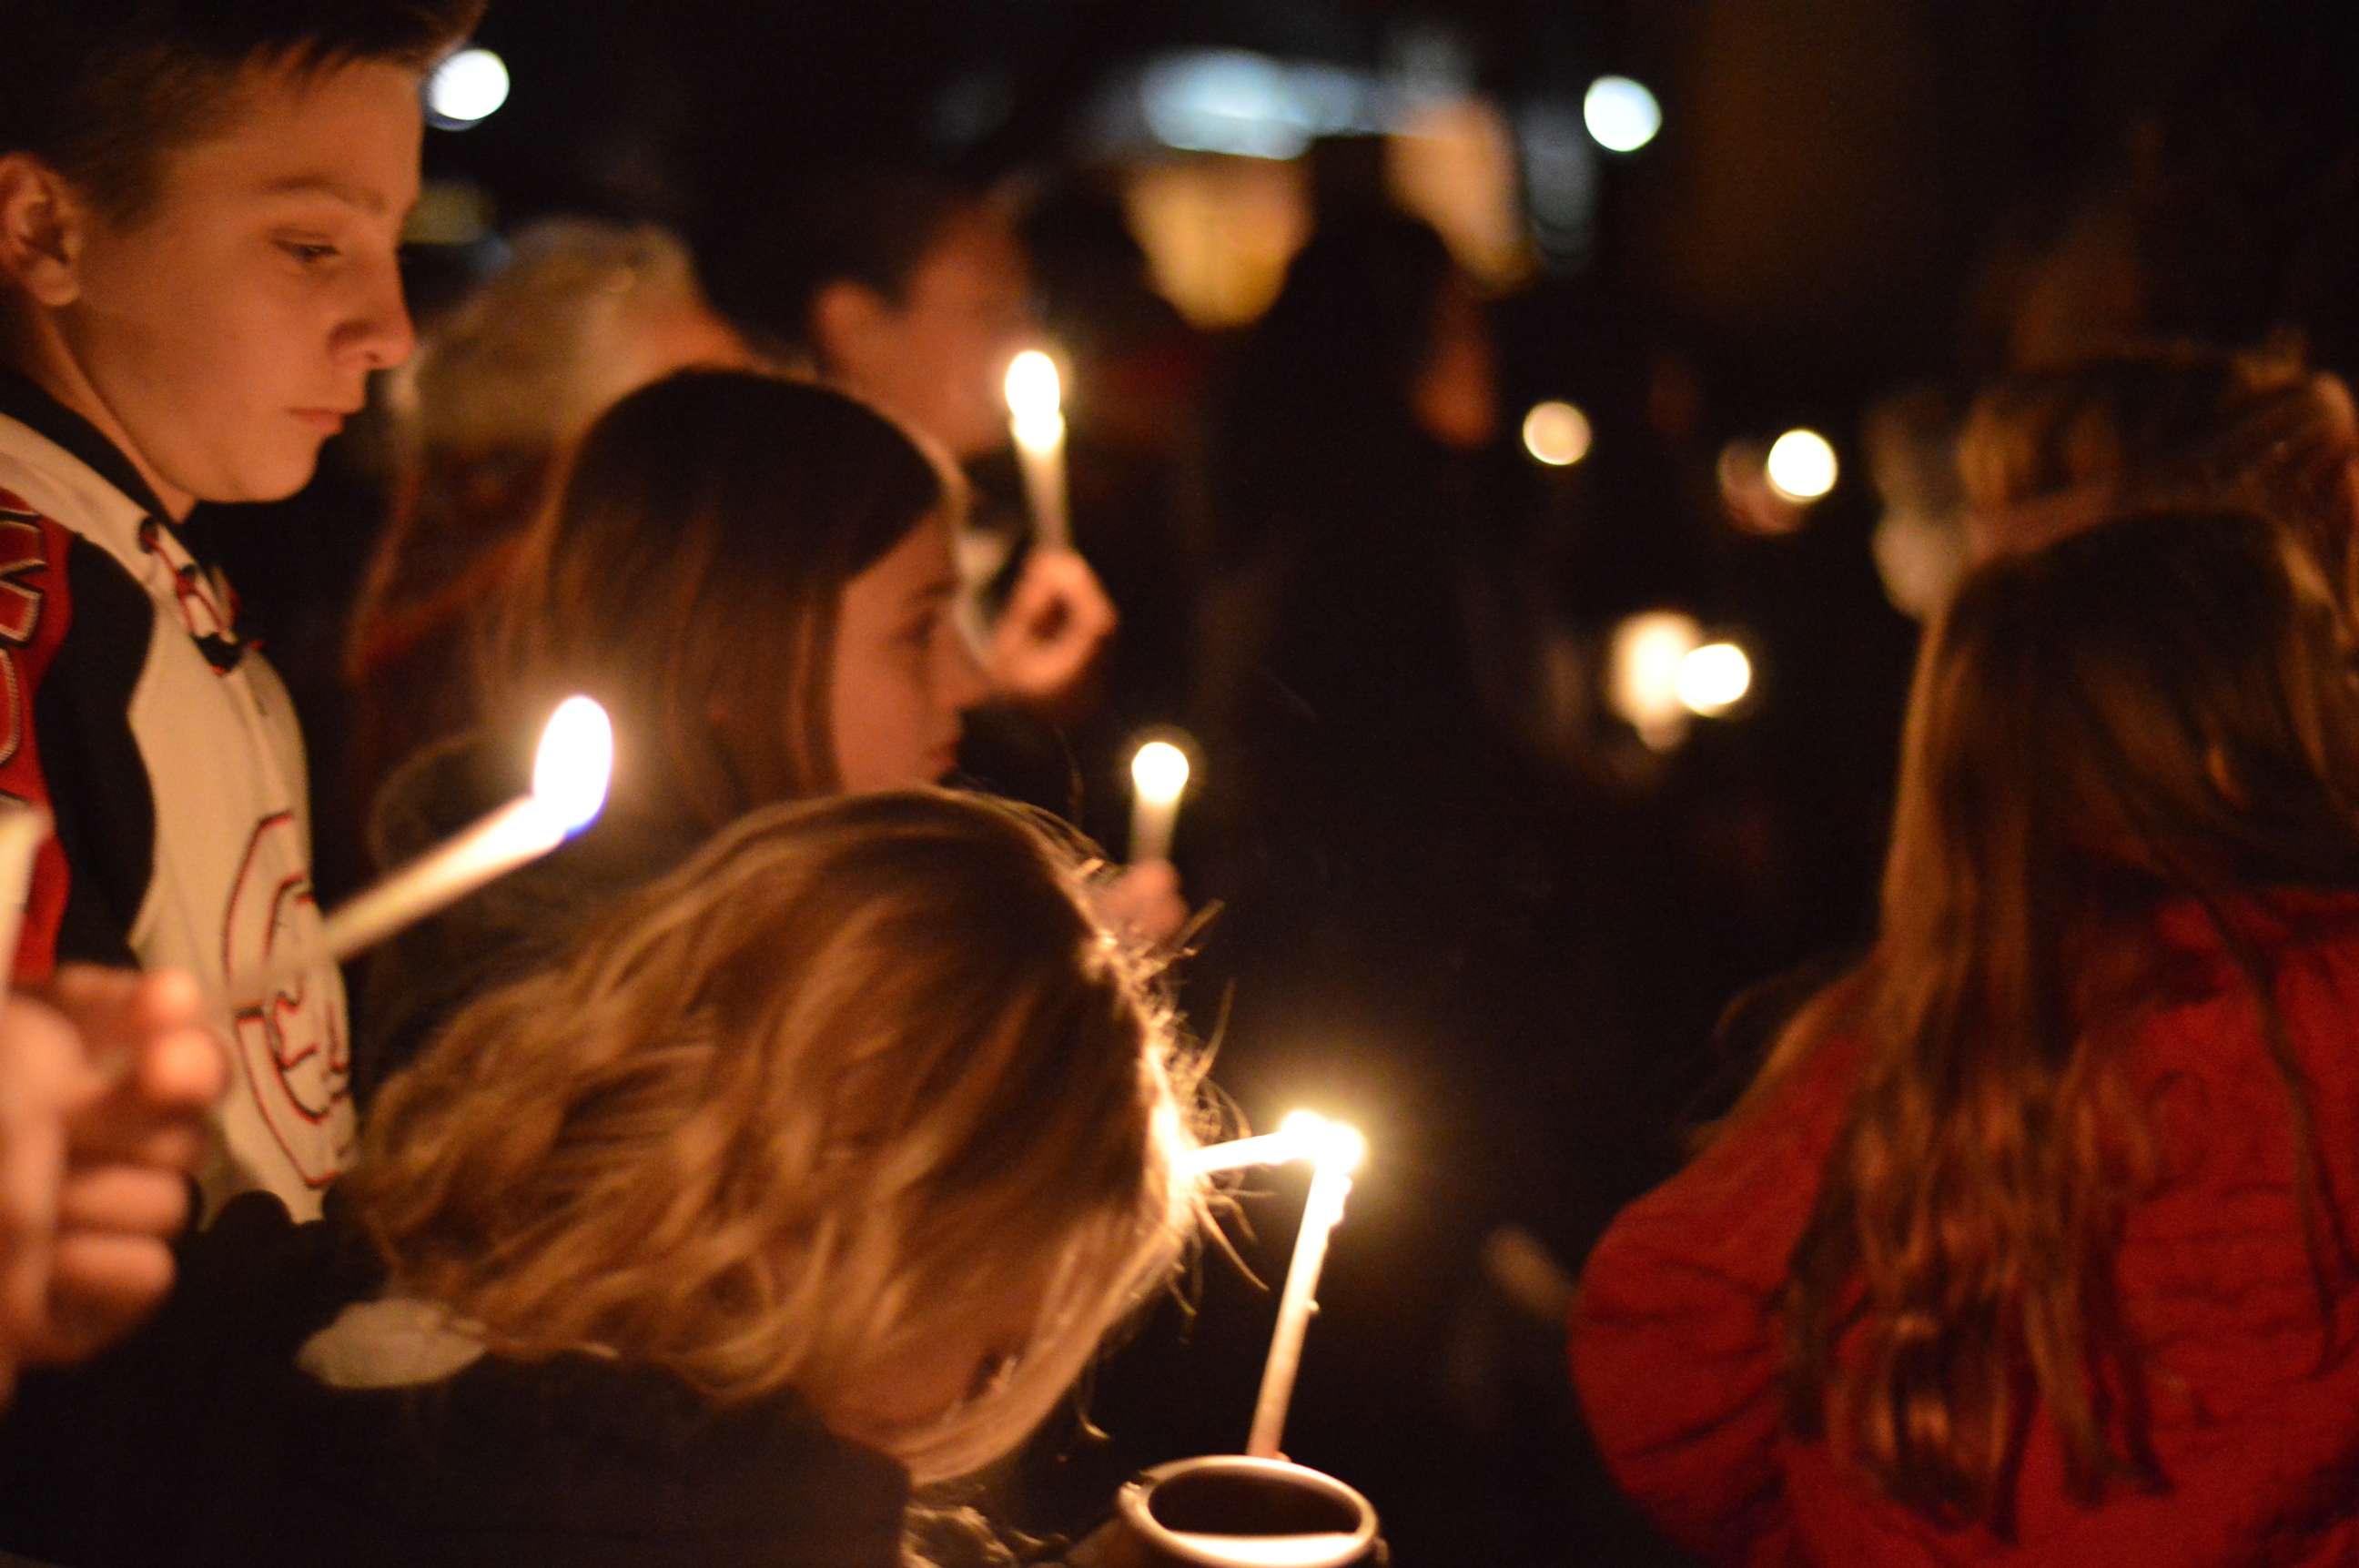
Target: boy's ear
pixel 42 220
pixel 847 322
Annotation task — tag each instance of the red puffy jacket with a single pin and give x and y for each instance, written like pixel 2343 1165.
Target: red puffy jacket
pixel 1675 1355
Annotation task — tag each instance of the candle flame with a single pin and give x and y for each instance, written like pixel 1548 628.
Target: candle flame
pixel 1802 465
pixel 1329 1145
pixel 1033 390
pixel 1035 398
pixel 1714 678
pixel 576 759
pixel 1159 772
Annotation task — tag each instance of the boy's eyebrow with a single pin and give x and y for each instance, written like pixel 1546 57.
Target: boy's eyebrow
pixel 367 201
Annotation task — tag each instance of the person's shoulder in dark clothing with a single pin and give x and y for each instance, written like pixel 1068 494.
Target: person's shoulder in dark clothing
pixel 204 1441
pixel 105 1463
pixel 576 1460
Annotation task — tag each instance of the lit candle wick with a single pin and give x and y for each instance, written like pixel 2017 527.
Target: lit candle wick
pixel 1037 420
pixel 1158 777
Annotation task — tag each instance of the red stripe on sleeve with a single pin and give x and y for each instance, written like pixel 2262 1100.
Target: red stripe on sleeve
pixel 36 612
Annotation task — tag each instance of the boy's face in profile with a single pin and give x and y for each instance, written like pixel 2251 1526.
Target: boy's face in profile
pixel 229 327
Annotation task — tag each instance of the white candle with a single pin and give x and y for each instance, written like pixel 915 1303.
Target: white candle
pixel 23 829
pixel 1243 1153
pixel 1339 1151
pixel 1158 777
pixel 1035 417
pixel 569 785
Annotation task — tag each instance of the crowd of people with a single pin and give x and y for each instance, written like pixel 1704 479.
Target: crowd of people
pixel 751 1179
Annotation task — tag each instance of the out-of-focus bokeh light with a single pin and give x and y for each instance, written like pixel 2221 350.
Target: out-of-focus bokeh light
pixel 1802 465
pixel 1557 434
pixel 1714 678
pixel 1621 114
pixel 467 89
pixel 1231 101
pixel 1644 672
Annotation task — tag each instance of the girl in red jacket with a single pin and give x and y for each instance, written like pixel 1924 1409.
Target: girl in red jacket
pixel 2034 1239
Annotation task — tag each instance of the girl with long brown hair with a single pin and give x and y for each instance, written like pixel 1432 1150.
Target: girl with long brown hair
pixel 2034 1239
pixel 755 575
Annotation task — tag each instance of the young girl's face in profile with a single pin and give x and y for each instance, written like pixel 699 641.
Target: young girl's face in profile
pixel 908 1395
pixel 903 672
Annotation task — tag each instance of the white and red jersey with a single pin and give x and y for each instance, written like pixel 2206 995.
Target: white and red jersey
pixel 167 753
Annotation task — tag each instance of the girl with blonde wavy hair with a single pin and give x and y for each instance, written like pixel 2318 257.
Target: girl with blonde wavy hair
pixel 2033 1240
pixel 814 1171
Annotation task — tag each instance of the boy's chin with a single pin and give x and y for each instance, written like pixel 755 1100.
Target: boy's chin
pixel 275 478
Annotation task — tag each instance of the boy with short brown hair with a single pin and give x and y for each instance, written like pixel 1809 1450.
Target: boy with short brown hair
pixel 201 206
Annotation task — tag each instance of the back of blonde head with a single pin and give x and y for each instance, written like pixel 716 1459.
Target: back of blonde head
pixel 855 1078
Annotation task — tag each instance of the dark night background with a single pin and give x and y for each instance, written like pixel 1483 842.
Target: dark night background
pixel 1841 206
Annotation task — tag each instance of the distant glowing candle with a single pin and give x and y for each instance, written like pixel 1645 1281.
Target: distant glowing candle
pixel 1035 407
pixel 568 787
pixel 1335 1151
pixel 1158 777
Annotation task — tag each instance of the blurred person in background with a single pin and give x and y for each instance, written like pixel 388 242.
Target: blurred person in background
pixel 914 293
pixel 1352 529
pixel 1403 894
pixel 1138 371
pixel 2032 1239
pixel 581 314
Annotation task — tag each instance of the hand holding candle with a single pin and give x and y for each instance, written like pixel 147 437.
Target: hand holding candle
pixel 1158 777
pixel 1052 638
pixel 1035 407
pixel 569 785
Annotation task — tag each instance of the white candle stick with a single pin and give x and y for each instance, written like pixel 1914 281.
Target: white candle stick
pixel 1243 1153
pixel 1158 777
pixel 569 785
pixel 1337 1152
pixel 23 829
pixel 1035 417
